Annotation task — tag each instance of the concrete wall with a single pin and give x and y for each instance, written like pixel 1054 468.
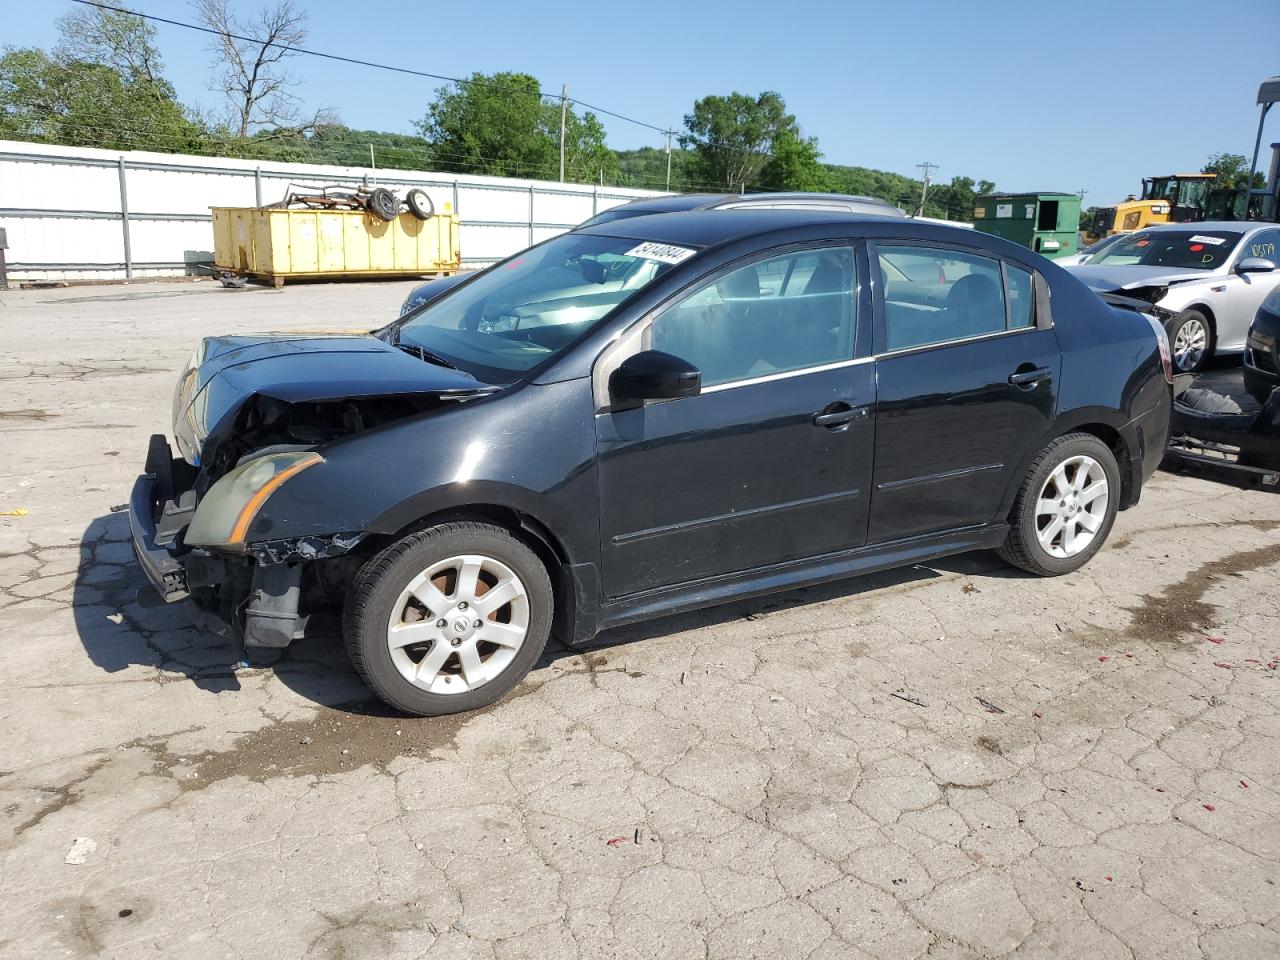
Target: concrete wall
pixel 64 207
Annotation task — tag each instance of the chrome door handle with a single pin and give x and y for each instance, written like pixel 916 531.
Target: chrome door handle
pixel 839 417
pixel 1029 378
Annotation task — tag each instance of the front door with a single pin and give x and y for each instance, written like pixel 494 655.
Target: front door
pixel 772 461
pixel 967 380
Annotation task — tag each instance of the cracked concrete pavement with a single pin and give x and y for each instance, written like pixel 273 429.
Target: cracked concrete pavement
pixel 748 781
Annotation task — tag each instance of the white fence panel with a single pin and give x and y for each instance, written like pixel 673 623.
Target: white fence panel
pixel 63 207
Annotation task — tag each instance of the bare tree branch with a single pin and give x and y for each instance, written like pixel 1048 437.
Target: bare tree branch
pixel 250 75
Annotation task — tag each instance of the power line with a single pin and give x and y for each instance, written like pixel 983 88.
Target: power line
pixel 355 60
pixel 685 138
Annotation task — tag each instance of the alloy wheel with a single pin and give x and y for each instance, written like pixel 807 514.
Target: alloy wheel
pixel 1072 507
pixel 1189 344
pixel 458 624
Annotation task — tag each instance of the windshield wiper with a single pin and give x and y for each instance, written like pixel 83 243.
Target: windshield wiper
pixel 423 354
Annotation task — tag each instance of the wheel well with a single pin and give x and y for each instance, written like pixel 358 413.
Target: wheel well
pixel 1111 437
pixel 1208 315
pixel 525 528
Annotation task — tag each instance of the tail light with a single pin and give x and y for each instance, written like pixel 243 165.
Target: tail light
pixel 1162 338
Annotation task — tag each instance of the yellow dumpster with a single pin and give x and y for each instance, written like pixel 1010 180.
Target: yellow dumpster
pixel 278 244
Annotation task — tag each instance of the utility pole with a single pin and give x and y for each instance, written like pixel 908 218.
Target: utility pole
pixel 564 109
pixel 669 160
pixel 1081 192
pixel 924 190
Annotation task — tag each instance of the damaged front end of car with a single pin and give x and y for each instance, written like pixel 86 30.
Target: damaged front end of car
pixel 250 414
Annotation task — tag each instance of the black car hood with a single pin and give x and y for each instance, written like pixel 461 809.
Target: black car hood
pixel 225 372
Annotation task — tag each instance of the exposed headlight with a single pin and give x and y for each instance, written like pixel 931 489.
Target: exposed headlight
pixel 223 517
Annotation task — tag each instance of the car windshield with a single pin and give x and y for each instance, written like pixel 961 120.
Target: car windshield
pixel 1184 249
pixel 529 308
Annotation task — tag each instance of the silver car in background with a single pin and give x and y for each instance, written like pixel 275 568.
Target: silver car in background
pixel 1211 276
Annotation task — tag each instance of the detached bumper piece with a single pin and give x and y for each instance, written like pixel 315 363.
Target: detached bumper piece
pixel 1211 429
pixel 153 542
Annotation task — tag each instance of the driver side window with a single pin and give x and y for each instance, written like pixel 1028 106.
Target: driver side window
pixel 772 316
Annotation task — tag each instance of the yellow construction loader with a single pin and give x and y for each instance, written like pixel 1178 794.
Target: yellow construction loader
pixel 1173 198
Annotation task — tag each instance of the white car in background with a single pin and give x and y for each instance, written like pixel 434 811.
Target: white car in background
pixel 1088 253
pixel 1211 276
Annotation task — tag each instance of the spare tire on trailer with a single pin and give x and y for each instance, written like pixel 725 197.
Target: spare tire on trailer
pixel 382 203
pixel 420 204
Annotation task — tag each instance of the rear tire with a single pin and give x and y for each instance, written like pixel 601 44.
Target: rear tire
pixel 1065 507
pixel 1191 341
pixel 419 630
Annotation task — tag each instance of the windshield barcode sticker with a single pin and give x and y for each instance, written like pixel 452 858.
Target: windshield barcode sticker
pixel 1216 241
pixel 662 252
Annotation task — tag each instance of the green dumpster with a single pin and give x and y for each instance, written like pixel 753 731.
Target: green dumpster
pixel 1048 223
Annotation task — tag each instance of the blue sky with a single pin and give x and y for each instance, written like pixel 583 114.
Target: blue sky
pixel 1033 95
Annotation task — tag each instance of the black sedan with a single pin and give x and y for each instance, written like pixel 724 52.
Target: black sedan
pixel 770 401
pixel 1262 350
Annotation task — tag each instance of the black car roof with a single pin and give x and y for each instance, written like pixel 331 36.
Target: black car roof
pixel 668 204
pixel 709 228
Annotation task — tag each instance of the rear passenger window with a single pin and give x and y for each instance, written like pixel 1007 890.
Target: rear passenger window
pixel 1022 300
pixel 933 295
pixel 776 315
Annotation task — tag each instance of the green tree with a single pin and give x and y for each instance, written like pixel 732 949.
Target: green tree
pixel 733 137
pixel 88 104
pixel 112 38
pixel 102 86
pixel 1232 170
pixel 501 125
pixel 646 168
pixel 955 200
pixel 796 164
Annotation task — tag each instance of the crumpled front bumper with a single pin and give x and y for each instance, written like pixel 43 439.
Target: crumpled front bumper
pixel 252 599
pixel 160 564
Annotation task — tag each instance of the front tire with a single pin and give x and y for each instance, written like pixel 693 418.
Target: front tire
pixel 1191 341
pixel 1065 507
pixel 448 619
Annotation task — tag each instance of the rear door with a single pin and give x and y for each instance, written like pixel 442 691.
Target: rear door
pixel 967 369
pixel 772 461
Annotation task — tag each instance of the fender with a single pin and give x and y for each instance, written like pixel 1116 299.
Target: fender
pixel 477 454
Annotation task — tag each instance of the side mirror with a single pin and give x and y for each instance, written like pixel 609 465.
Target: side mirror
pixel 1255 265
pixel 654 375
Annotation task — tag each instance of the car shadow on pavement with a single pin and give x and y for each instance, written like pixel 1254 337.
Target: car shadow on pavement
pixel 122 623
